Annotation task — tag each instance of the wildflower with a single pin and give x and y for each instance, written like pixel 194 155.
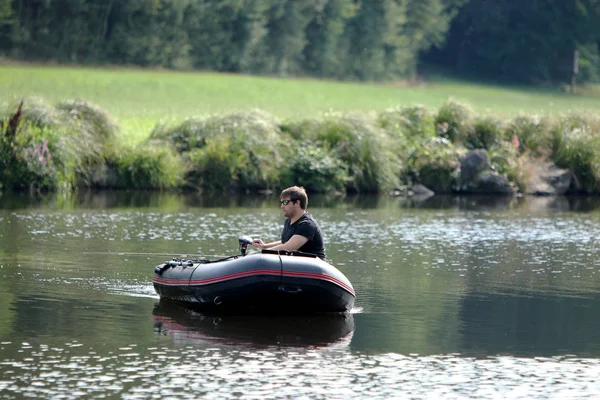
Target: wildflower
pixel 515 142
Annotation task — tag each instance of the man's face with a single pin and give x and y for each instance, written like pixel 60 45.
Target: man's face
pixel 287 206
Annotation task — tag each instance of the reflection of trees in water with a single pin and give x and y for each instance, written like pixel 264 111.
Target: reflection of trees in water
pixel 474 203
pixel 269 200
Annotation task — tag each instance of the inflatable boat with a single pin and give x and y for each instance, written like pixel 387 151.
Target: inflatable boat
pixel 271 282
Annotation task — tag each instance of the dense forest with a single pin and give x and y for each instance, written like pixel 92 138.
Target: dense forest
pixel 531 42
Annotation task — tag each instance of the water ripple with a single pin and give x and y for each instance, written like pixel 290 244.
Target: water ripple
pixel 72 372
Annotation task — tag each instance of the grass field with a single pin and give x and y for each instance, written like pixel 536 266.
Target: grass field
pixel 141 98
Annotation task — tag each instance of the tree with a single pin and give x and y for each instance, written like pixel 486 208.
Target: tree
pixel 5 11
pixel 528 42
pixel 375 48
pixel 286 35
pixel 323 34
pixel 227 35
pixel 148 33
pixel 428 22
pixel 6 18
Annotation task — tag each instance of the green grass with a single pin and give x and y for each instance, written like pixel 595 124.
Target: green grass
pixel 141 98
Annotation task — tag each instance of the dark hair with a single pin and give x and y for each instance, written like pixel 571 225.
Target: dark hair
pixel 296 193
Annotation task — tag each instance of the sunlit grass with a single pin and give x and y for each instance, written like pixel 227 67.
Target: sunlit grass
pixel 139 99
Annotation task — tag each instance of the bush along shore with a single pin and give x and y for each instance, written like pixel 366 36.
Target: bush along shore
pixel 403 150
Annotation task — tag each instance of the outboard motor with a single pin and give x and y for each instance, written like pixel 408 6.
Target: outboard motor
pixel 244 242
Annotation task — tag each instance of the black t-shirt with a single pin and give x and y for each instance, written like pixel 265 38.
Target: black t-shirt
pixel 305 226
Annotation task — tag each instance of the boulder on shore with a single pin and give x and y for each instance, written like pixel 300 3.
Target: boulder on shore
pixel 549 180
pixel 478 177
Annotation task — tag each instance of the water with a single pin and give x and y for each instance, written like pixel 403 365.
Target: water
pixel 457 298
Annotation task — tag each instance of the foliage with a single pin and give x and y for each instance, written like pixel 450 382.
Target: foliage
pixel 408 127
pixel 373 47
pixel 577 147
pixel 73 145
pixel 37 112
pixel 373 165
pixel 415 123
pixel 525 42
pixel 242 150
pixel 453 121
pixel 286 36
pixel 93 122
pixel 324 35
pixel 342 39
pixel 146 167
pixel 436 164
pixel 211 167
pixel 5 11
pixel 55 147
pixel 533 133
pixel 302 129
pixel 487 133
pixel 428 21
pixel 315 168
pixel 375 40
pixel 506 160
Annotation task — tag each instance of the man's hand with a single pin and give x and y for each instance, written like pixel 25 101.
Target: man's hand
pixel 259 243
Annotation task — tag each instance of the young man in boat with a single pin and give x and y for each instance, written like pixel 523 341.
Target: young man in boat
pixel 300 230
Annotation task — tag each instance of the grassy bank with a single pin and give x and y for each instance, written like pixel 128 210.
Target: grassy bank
pixel 166 130
pixel 138 99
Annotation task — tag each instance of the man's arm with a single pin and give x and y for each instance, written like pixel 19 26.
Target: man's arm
pixel 294 243
pixel 262 245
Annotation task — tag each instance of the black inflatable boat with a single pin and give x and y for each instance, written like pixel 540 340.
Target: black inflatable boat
pixel 272 282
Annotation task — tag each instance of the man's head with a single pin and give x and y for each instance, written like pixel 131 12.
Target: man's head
pixel 295 193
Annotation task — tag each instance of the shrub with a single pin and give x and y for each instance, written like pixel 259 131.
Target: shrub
pixel 506 160
pixel 577 147
pixel 436 164
pixel 487 133
pixel 315 168
pixel 192 133
pixel 251 141
pixel 414 123
pixel 92 120
pixel 370 155
pixel 211 167
pixel 531 133
pixel 37 113
pixel 301 130
pixel 453 121
pixel 73 136
pixel 146 167
pixel 27 155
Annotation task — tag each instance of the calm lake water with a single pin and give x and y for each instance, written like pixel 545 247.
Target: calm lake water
pixel 481 298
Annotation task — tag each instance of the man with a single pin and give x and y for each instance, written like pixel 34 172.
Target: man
pixel 300 231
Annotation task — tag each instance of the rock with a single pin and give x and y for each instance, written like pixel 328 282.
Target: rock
pixel 492 183
pixel 421 190
pixel 472 164
pixel 477 176
pixel 420 193
pixel 549 180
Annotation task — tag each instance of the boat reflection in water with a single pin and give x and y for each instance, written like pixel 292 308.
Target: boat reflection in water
pixel 186 326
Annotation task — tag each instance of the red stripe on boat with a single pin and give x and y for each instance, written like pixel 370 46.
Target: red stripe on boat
pixel 218 278
pixel 175 282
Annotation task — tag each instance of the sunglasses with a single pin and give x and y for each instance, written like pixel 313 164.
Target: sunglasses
pixel 285 202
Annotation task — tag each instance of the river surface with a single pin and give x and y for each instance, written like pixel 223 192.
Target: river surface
pixel 457 298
